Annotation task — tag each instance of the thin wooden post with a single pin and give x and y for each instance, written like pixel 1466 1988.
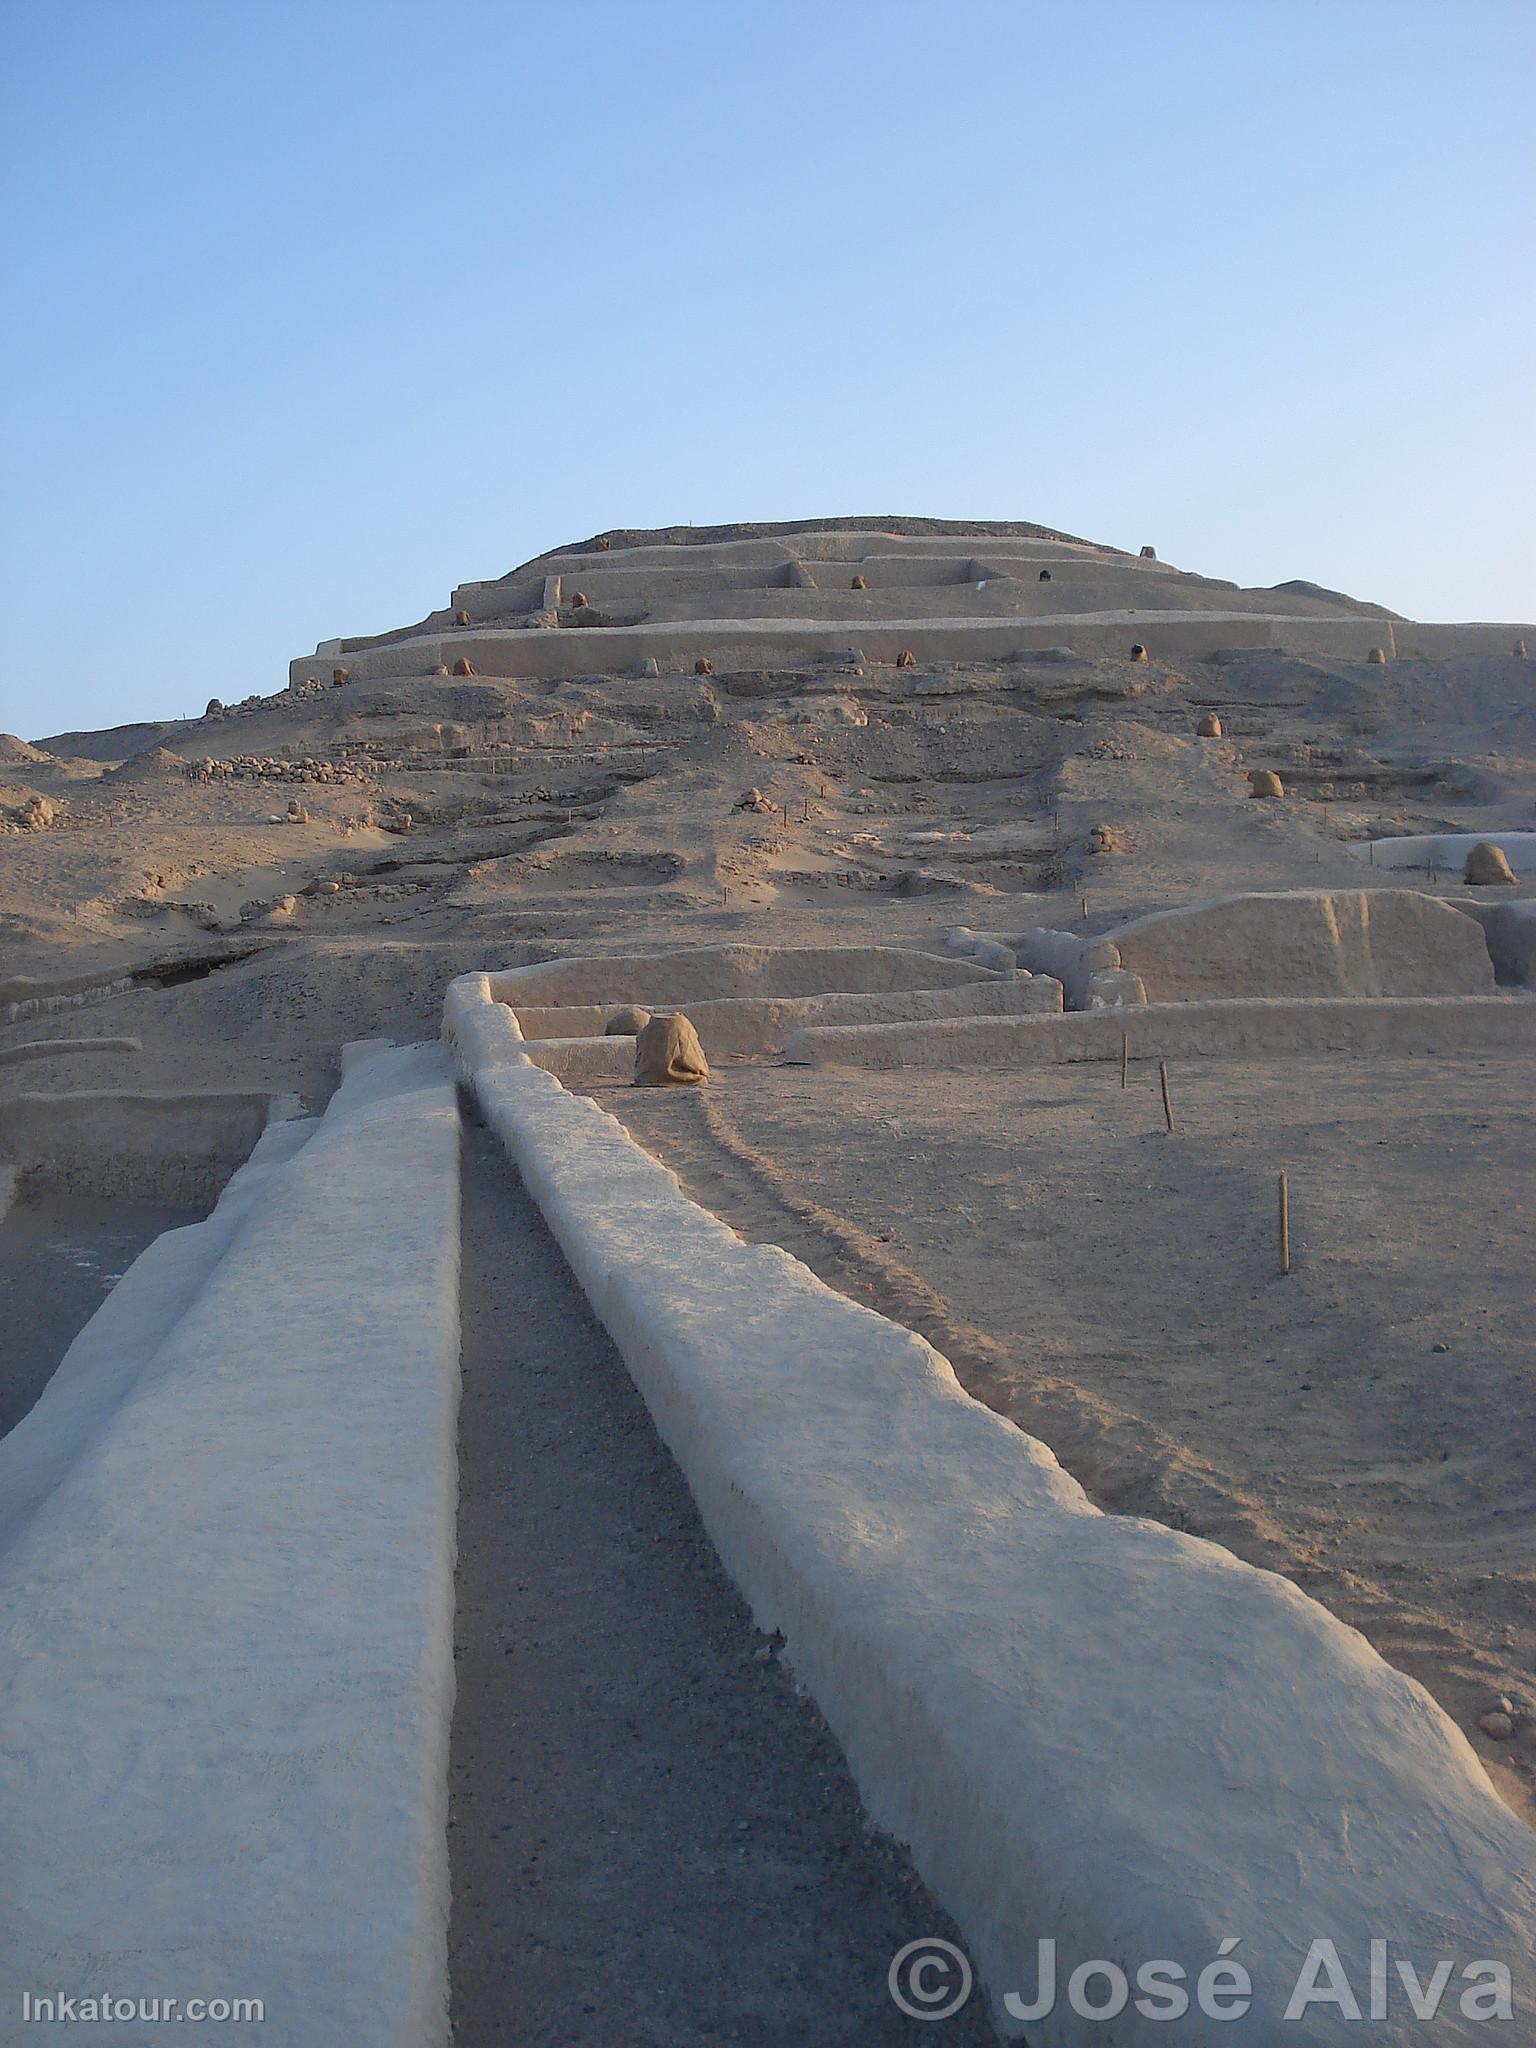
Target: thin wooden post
pixel 1162 1075
pixel 1125 1056
pixel 1285 1222
pixel 1085 910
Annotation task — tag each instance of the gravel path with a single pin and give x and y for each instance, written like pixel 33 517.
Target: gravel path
pixel 655 1840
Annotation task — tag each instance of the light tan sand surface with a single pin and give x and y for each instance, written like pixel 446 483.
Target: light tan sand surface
pixel 1361 1426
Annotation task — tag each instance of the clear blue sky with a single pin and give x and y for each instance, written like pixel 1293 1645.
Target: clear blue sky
pixel 314 310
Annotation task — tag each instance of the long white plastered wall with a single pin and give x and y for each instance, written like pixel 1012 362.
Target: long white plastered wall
pixel 1251 1025
pixel 1089 1728
pixel 226 1599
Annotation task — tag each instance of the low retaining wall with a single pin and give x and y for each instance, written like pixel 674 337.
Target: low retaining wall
pixel 733 644
pixel 583 1062
pixel 1441 643
pixel 1282 942
pixel 765 1024
pixel 153 1144
pixel 690 974
pixel 1089 1728
pixel 62 1048
pixel 23 997
pixel 1448 851
pixel 1255 1027
pixel 1306 942
pixel 226 1592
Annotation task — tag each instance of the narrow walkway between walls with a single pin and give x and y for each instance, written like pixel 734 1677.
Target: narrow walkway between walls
pixel 654 1839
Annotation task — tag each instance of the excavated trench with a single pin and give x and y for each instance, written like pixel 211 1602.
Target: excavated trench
pixel 80 994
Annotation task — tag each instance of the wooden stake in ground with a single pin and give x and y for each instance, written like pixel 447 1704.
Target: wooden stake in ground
pixel 1085 910
pixel 1285 1222
pixel 1125 1056
pixel 1162 1075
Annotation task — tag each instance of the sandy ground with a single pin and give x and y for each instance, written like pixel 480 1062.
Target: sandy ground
pixel 60 1257
pixel 1362 1426
pixel 655 1839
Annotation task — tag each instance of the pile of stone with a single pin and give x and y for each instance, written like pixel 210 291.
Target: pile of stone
pixel 35 815
pixel 267 768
